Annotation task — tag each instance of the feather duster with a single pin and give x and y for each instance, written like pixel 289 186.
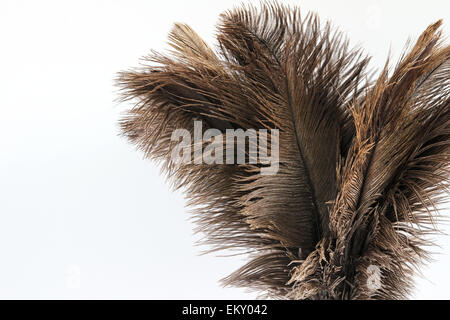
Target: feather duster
pixel 361 164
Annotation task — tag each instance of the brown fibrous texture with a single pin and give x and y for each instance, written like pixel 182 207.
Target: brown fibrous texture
pixel 363 159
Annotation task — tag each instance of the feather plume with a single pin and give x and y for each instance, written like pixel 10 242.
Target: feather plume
pixel 362 164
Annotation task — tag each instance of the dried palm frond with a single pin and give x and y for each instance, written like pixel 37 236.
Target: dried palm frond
pixel 362 164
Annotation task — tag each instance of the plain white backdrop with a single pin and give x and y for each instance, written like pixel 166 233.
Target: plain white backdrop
pixel 82 214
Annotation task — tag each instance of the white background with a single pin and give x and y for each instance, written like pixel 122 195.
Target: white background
pixel 82 215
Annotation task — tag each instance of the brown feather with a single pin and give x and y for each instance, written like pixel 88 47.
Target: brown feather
pixel 361 166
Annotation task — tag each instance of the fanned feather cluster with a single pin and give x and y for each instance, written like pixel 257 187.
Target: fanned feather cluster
pixel 362 163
